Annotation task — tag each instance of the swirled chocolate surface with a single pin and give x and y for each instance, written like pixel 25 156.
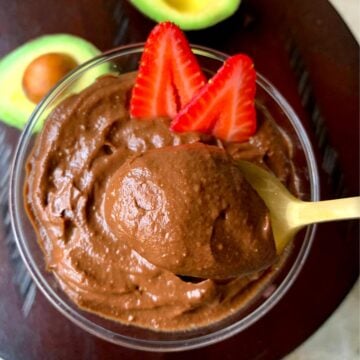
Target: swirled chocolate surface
pixel 85 140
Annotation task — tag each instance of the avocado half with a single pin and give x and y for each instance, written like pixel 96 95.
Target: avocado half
pixel 15 107
pixel 188 14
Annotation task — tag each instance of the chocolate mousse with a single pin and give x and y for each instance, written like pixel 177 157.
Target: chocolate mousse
pixel 85 162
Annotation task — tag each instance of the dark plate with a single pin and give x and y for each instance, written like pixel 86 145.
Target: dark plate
pixel 306 50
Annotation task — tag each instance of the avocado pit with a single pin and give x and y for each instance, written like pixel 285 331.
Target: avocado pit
pixel 44 72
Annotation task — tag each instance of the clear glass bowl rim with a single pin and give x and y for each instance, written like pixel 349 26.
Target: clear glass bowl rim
pixel 74 315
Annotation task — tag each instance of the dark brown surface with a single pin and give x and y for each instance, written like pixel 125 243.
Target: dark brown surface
pixel 305 49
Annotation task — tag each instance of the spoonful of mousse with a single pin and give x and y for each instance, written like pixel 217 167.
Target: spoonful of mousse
pixel 191 209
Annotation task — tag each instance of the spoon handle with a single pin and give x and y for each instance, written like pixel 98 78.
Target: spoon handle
pixel 328 210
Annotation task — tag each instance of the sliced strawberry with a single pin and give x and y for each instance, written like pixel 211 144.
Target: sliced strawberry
pixel 168 76
pixel 225 106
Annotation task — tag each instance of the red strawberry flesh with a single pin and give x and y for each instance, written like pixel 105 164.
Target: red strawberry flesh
pixel 225 106
pixel 168 76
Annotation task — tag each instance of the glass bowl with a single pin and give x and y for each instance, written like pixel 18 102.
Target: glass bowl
pixel 122 60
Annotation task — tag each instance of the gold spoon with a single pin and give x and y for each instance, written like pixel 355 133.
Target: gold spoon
pixel 289 214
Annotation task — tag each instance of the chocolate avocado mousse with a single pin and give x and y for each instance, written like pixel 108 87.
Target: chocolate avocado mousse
pixel 188 209
pixel 85 141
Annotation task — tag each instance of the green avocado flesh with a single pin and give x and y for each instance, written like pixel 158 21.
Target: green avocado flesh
pixel 188 14
pixel 15 107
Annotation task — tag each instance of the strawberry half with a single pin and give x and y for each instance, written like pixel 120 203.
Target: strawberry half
pixel 168 76
pixel 225 106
